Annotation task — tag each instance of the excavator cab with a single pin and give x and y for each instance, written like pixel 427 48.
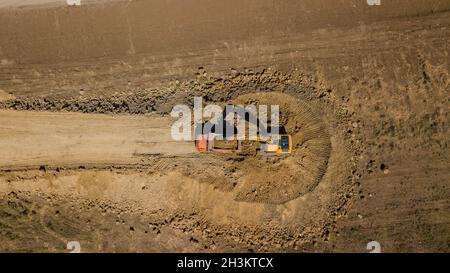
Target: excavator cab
pixel 285 144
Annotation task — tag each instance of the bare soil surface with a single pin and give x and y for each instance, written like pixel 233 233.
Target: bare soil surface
pixel 85 147
pixel 68 139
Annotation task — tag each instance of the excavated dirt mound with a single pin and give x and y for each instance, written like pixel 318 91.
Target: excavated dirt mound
pixel 281 180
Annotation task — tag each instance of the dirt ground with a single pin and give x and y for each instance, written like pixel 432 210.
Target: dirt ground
pixel 86 153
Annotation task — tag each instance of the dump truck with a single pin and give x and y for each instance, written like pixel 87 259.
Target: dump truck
pixel 280 144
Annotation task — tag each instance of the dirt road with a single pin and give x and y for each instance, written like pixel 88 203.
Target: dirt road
pixel 73 139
